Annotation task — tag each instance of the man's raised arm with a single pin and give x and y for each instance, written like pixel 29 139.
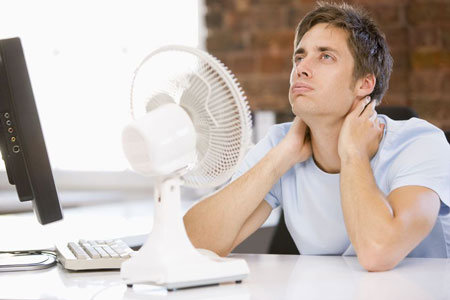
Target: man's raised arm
pixel 226 218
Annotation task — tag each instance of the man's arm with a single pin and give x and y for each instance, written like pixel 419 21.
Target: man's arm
pixel 383 230
pixel 223 220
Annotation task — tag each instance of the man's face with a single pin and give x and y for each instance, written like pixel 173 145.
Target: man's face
pixel 322 74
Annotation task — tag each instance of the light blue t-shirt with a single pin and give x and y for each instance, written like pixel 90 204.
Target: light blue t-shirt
pixel 412 152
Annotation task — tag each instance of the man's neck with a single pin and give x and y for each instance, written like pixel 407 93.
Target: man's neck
pixel 324 141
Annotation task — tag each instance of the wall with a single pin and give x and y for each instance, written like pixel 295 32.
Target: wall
pixel 255 39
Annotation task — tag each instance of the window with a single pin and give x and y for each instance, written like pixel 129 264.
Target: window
pixel 81 56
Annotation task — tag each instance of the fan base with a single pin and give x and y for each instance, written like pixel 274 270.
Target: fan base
pixel 170 271
pixel 168 258
pixel 209 274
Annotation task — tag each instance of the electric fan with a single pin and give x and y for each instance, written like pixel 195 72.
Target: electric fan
pixel 192 126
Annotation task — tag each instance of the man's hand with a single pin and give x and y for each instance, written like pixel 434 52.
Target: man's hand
pixel 361 132
pixel 297 142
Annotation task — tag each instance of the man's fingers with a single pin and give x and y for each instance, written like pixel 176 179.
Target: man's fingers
pixel 298 125
pixel 369 110
pixel 362 105
pixel 377 123
pixel 373 118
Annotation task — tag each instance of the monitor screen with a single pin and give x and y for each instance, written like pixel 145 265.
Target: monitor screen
pixel 21 140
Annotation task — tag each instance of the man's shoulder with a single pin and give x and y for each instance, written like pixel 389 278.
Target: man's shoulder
pixel 413 143
pixel 279 131
pixel 414 130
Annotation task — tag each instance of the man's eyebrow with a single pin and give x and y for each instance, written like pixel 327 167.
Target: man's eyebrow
pixel 326 48
pixel 299 51
pixel 302 50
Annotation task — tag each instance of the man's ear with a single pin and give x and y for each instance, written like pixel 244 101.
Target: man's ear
pixel 365 85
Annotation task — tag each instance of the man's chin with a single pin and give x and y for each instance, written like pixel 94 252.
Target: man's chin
pixel 303 107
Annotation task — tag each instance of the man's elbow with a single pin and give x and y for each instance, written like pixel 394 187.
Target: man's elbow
pixel 378 259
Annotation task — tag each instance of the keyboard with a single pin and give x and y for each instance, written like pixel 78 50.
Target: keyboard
pixel 93 254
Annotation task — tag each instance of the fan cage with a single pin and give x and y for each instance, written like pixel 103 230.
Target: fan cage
pixel 212 97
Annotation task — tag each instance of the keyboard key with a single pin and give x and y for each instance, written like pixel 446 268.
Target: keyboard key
pixel 102 252
pixel 93 254
pixel 77 251
pixel 90 251
pixel 110 251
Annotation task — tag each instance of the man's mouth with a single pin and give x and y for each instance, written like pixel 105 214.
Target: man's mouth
pixel 301 88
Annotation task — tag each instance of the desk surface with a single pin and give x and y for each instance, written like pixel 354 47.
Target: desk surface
pixel 106 221
pixel 271 277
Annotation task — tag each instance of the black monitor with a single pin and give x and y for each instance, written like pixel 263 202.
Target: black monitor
pixel 21 140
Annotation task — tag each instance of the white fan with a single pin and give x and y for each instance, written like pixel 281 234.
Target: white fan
pixel 191 126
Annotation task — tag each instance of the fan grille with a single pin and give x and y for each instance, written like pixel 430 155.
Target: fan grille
pixel 211 95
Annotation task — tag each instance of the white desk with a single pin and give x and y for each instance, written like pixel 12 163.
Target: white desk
pixel 129 217
pixel 271 277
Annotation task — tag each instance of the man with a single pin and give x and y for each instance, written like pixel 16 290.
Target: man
pixel 350 182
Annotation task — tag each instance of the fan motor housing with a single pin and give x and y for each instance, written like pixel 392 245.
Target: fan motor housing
pixel 161 142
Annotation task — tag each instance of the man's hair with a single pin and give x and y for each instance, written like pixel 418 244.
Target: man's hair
pixel 366 42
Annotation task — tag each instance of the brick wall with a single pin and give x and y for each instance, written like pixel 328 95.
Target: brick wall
pixel 255 39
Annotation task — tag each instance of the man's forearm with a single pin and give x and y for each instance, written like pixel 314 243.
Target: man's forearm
pixel 215 222
pixel 368 216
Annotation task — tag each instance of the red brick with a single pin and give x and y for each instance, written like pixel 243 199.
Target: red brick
pixel 237 21
pixel 276 85
pixel 307 2
pixel 220 4
pixel 424 37
pixel 442 124
pixel 224 40
pixel 397 37
pixel 209 3
pixel 269 63
pixel 242 5
pixel 295 15
pixel 426 83
pixel 438 110
pixel 242 63
pixel 269 102
pixel 271 2
pixel 253 36
pixel 445 85
pixel 223 56
pixel 269 92
pixel 430 12
pixel 282 117
pixel 445 36
pixel 249 84
pixel 401 60
pixel 371 2
pixel 214 19
pixel 385 14
pixel 268 18
pixel 430 59
pixel 283 40
pixel 391 99
pixel 399 82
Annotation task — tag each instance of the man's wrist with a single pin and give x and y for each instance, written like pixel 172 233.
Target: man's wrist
pixel 353 157
pixel 283 159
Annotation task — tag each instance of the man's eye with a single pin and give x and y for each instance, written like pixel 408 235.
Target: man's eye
pixel 326 56
pixel 298 58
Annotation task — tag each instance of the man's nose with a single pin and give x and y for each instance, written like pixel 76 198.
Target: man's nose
pixel 303 68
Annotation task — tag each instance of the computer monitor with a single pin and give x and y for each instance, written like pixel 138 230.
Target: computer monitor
pixel 21 140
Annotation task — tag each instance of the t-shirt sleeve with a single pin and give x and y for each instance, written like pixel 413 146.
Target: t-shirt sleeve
pixel 255 154
pixel 424 162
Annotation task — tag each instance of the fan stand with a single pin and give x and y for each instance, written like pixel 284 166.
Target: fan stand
pixel 168 258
